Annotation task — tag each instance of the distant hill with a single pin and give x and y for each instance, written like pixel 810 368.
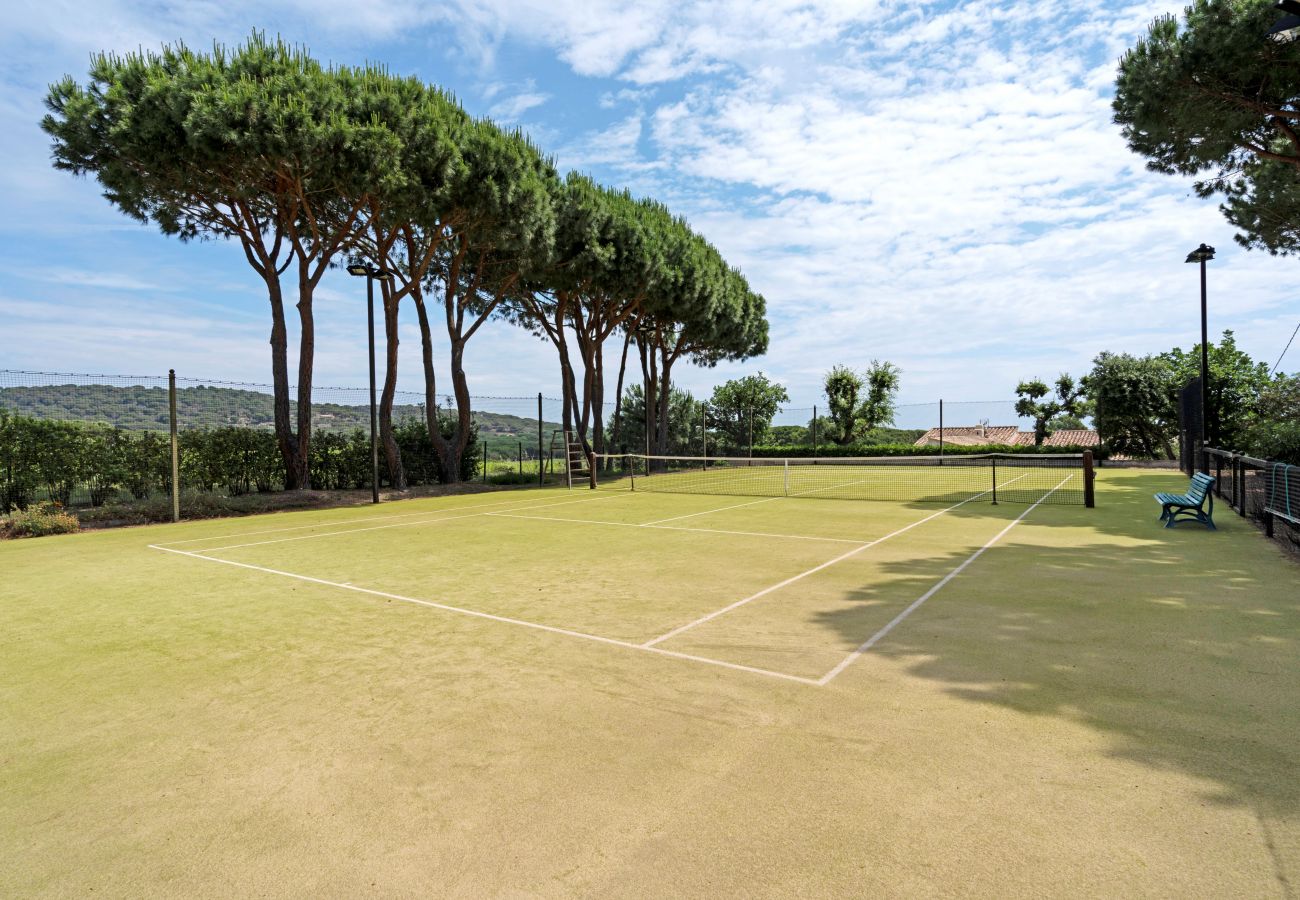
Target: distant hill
pixel 145 409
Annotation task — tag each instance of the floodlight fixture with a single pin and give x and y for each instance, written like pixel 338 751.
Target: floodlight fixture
pixel 1201 254
pixel 1286 29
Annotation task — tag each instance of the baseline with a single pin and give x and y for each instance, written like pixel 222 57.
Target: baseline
pixel 495 618
pixel 916 604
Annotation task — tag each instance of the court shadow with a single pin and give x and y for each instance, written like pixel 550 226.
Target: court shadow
pixel 1183 646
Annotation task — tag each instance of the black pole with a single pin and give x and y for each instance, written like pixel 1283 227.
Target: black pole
pixel 541 448
pixel 374 415
pixel 1205 365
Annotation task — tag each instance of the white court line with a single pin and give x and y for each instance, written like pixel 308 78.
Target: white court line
pixel 772 534
pixel 491 617
pixel 308 537
pixel 791 580
pixel 707 511
pixel 342 521
pixel 871 641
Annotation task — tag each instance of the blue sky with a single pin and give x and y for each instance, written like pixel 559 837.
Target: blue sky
pixel 935 184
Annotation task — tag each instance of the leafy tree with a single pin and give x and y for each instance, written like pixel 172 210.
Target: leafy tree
pixel 704 312
pixel 1031 405
pixel 741 411
pixel 852 414
pixel 251 144
pixel 882 389
pixel 685 419
pixel 1274 430
pixel 1236 382
pixel 1133 409
pixel 842 386
pixel 1214 99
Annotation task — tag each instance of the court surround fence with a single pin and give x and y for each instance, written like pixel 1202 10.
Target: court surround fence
pixel 1263 491
pixel 89 440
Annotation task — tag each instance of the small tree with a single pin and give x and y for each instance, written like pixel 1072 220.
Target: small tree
pixel 1134 411
pixel 842 386
pixel 1065 404
pixel 852 415
pixel 741 410
pixel 1236 383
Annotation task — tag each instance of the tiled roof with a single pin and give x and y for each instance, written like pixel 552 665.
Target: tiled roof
pixel 971 435
pixel 1007 435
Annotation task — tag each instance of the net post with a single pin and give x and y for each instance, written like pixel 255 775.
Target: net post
pixel 940 431
pixel 541 468
pixel 631 468
pixel 1089 477
pixel 814 429
pixel 485 462
pixel 176 450
pixel 994 460
pixel 591 468
pixel 521 460
pixel 785 464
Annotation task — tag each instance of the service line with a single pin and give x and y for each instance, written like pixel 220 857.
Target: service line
pixel 813 571
pixel 770 534
pixel 345 521
pixel 916 604
pixel 308 537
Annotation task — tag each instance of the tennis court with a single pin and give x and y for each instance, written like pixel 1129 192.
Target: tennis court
pixel 614 692
pixel 688 567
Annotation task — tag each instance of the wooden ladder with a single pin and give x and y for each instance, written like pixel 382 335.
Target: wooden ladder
pixel 576 464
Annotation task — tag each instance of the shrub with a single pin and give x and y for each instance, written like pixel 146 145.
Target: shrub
pixel 41 519
pixel 912 450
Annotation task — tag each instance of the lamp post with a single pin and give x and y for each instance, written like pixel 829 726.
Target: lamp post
pixel 1287 28
pixel 1202 255
pixel 371 273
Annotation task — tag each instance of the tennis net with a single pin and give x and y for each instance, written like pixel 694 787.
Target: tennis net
pixel 996 477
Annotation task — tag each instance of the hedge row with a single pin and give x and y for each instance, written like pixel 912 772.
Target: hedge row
pixel 63 462
pixel 835 450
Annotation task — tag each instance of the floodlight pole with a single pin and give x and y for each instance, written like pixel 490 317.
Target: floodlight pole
pixel 1202 255
pixel 371 273
pixel 374 415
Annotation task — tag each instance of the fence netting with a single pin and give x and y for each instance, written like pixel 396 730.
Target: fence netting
pixel 95 439
pixel 1264 491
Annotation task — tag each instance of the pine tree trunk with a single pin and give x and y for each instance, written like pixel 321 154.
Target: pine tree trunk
pixel 392 454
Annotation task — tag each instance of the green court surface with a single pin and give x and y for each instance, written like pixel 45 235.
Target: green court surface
pixel 557 693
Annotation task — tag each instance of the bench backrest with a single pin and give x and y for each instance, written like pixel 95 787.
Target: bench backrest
pixel 1201 484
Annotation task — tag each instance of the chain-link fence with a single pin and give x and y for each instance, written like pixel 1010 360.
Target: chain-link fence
pixel 91 440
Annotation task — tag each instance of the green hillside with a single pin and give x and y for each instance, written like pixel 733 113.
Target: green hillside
pixel 145 409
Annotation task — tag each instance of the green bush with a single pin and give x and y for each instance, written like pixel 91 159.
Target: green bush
pixel 1278 441
pixel 41 519
pixel 837 451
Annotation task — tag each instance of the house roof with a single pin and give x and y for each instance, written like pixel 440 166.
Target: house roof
pixel 971 435
pixel 1007 435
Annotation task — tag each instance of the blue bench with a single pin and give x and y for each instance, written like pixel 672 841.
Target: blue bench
pixel 1197 504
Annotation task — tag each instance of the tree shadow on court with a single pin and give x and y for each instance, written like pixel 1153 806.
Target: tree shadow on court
pixel 1181 645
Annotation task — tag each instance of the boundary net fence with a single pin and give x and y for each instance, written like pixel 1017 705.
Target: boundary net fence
pixel 1263 491
pixel 1065 479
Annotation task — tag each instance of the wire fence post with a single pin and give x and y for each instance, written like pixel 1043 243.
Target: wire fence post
pixel 940 431
pixel 176 450
pixel 521 459
pixel 485 462
pixel 814 429
pixel 541 473
pixel 751 429
pixel 995 480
